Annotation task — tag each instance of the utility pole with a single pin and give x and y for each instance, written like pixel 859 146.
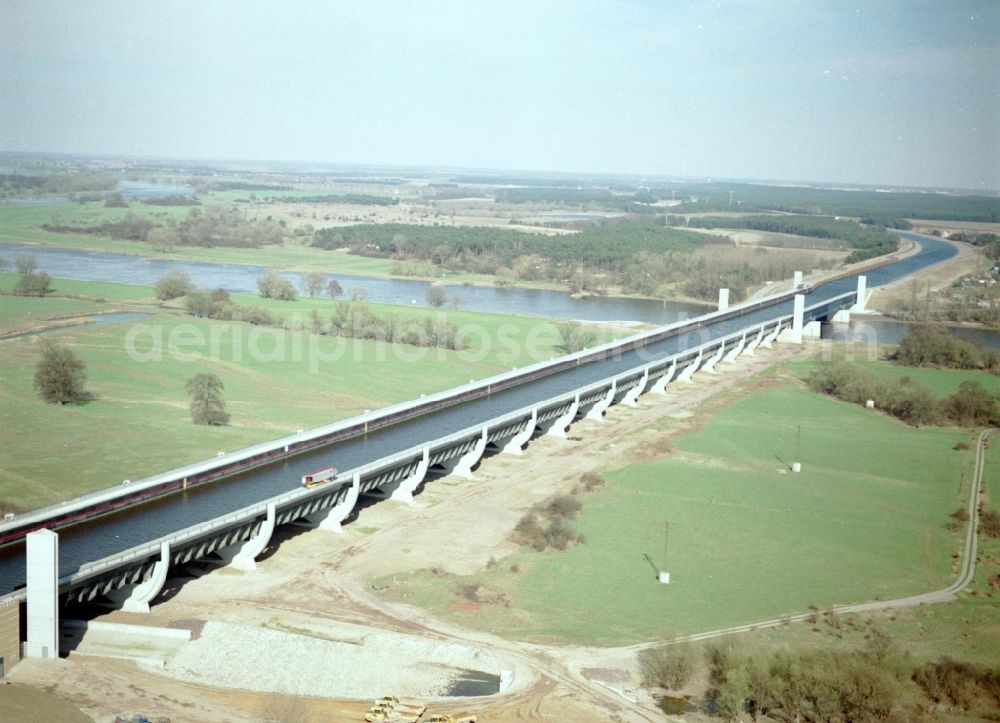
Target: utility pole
pixel 797 462
pixel 664 575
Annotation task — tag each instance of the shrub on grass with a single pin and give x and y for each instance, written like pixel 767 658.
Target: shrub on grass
pixel 989 522
pixel 563 507
pixel 173 285
pixel 550 525
pixel 592 481
pixel 958 683
pixel 935 347
pixel 972 406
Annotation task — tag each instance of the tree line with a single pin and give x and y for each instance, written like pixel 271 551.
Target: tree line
pixel 924 346
pixel 866 241
pixel 208 226
pixel 876 681
pixel 887 208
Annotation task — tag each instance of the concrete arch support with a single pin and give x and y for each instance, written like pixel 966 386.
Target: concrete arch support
pixel 331 519
pixel 403 491
pixel 516 444
pixel 559 427
pixel 597 411
pixel 730 358
pixel 752 346
pixel 632 396
pixel 769 339
pixel 688 371
pixel 243 556
pixel 469 460
pixel 137 599
pixel 660 386
pixel 714 359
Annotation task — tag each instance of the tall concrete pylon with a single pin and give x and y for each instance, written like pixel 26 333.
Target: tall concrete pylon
pixel 798 314
pixel 42 558
pixel 862 302
pixel 723 299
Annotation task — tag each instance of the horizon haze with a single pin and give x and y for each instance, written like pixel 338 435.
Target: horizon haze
pixel 821 92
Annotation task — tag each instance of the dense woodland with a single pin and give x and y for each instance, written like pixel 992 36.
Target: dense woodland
pixel 886 208
pixel 15 184
pixel 638 258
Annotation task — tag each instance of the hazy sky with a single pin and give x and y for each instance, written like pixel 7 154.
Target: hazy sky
pixel 877 91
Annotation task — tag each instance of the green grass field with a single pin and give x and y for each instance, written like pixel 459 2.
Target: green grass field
pixel 866 518
pixel 967 629
pixel 277 381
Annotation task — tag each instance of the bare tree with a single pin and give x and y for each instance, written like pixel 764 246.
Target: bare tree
pixel 26 264
pixel 359 293
pixel 313 282
pixel 574 337
pixel 333 289
pixel 436 296
pixel 207 406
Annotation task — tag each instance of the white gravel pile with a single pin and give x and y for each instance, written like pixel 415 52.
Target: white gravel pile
pixel 266 660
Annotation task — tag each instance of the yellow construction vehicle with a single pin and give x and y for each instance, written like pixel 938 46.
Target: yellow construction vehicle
pixel 445 718
pixel 392 709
